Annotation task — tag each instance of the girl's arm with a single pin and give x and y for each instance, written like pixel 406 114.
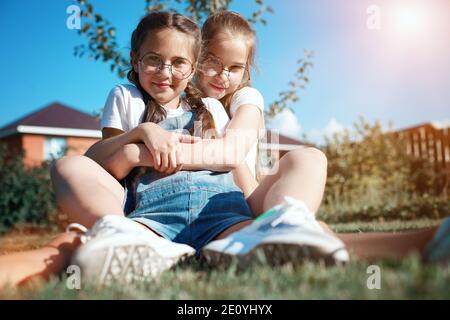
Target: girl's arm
pixel 112 140
pixel 126 158
pixel 223 154
pixel 162 144
pixel 136 155
pixel 133 155
pixel 228 152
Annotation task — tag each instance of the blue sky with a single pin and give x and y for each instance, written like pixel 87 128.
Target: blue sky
pixel 399 72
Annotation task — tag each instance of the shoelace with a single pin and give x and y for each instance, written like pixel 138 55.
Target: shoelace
pixel 102 227
pixel 297 213
pixel 83 232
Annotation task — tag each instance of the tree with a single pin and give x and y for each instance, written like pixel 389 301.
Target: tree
pixel 102 43
pixel 291 94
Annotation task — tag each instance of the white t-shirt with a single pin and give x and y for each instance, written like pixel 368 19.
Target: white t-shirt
pixel 246 96
pixel 124 110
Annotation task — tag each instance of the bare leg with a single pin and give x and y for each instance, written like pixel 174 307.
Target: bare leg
pixel 373 245
pixel 18 268
pixel 85 191
pixel 302 174
pixel 378 245
pixel 232 229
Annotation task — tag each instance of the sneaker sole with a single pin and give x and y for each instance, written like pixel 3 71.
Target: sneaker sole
pixel 274 254
pixel 130 264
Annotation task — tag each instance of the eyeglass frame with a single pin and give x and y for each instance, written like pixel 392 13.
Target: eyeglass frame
pixel 244 68
pixel 169 65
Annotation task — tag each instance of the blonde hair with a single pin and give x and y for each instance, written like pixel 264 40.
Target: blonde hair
pixel 235 25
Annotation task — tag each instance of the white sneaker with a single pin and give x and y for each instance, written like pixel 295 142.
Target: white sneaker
pixel 119 249
pixel 287 233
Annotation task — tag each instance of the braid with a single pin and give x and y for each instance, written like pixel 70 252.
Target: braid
pixel 194 99
pixel 153 111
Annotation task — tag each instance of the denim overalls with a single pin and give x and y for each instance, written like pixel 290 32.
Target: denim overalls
pixel 190 207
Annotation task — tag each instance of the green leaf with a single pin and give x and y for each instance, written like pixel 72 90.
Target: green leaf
pixel 85 27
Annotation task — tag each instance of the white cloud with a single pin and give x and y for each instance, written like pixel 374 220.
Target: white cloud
pixel 332 127
pixel 287 124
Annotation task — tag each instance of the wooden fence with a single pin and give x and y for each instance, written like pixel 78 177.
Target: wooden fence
pixel 433 144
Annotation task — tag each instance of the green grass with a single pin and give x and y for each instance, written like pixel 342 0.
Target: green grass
pixel 407 279
pixel 399 280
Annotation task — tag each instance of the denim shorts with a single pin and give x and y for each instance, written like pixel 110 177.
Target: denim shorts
pixel 190 207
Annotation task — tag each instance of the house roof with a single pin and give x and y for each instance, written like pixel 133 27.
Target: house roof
pixel 57 119
pixel 437 125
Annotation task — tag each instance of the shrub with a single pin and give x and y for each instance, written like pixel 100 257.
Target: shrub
pixel 26 195
pixel 370 175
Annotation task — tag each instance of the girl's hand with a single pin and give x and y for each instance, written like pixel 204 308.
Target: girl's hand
pixel 164 146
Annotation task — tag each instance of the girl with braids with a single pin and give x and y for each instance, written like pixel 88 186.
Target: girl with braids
pixel 182 203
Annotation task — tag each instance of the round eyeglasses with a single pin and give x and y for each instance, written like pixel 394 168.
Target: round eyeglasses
pixel 180 68
pixel 213 67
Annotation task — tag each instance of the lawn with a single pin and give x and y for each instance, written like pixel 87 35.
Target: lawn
pixel 408 279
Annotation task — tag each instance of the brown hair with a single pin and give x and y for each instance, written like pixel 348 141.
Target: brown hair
pixel 160 20
pixel 235 25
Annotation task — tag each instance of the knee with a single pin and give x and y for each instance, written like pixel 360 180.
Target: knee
pixel 66 166
pixel 308 155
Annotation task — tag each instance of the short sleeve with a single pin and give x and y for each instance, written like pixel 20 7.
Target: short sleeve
pixel 245 96
pixel 124 108
pixel 114 112
pixel 218 113
pixel 248 96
